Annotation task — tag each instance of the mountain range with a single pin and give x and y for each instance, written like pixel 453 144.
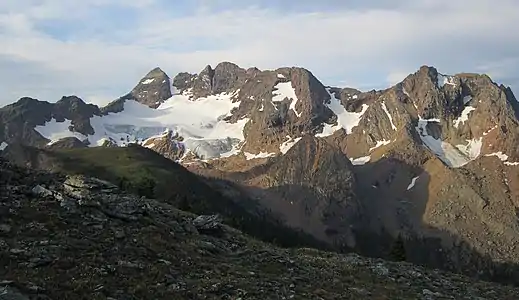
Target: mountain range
pixel 432 160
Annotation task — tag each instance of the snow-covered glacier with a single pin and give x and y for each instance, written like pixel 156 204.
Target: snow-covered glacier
pixel 200 123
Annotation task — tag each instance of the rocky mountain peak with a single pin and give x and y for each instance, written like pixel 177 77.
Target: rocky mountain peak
pixel 224 78
pixel 153 89
pixel 76 105
pixel 157 73
pixel 282 105
pixel 227 76
pixel 25 101
pixel 72 100
pixel 21 118
pixel 183 81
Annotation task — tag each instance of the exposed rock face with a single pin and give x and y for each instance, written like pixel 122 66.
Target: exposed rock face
pixel 282 104
pixel 432 142
pixel 208 224
pixel 153 89
pixel 110 143
pixel 169 145
pixel 314 179
pixel 76 110
pixel 225 77
pixel 20 119
pixel 429 145
pixel 134 244
pixel 453 116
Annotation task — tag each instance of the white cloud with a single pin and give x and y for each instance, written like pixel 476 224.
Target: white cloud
pixel 364 44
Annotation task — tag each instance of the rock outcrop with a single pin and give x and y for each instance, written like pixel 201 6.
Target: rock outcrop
pixel 168 144
pixel 152 89
pixel 20 119
pixel 315 180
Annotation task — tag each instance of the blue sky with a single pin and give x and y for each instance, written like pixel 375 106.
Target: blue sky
pixel 99 49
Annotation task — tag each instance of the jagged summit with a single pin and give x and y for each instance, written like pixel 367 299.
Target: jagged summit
pixel 153 89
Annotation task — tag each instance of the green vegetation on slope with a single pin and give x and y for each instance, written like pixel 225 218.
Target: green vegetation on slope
pixel 142 171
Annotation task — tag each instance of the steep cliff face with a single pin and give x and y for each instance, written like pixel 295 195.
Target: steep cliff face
pixel 313 186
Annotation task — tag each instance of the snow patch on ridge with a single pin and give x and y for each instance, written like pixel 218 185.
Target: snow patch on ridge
pixel 379 144
pixel 3 145
pixel 490 130
pixel 503 157
pixel 454 157
pixel 500 155
pixel 54 131
pixel 384 107
pixel 345 119
pixel 148 81
pixel 464 116
pixel 405 92
pixel 445 79
pixel 250 156
pixel 285 90
pixel 413 182
pixel 360 160
pixel 285 146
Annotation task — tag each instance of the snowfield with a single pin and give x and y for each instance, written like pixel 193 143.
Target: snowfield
pixel 454 157
pixel 345 119
pixel 200 122
pixel 282 91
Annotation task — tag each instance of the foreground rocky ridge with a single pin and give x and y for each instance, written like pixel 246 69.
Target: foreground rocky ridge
pixel 74 237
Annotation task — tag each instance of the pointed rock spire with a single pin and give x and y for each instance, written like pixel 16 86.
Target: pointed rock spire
pixel 153 89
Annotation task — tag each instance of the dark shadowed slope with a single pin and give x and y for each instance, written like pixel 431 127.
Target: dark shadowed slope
pixel 144 172
pixel 79 238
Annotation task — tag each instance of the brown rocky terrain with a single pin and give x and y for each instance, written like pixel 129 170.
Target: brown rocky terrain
pixel 152 89
pixel 19 119
pixel 441 191
pixel 167 144
pixel 75 237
